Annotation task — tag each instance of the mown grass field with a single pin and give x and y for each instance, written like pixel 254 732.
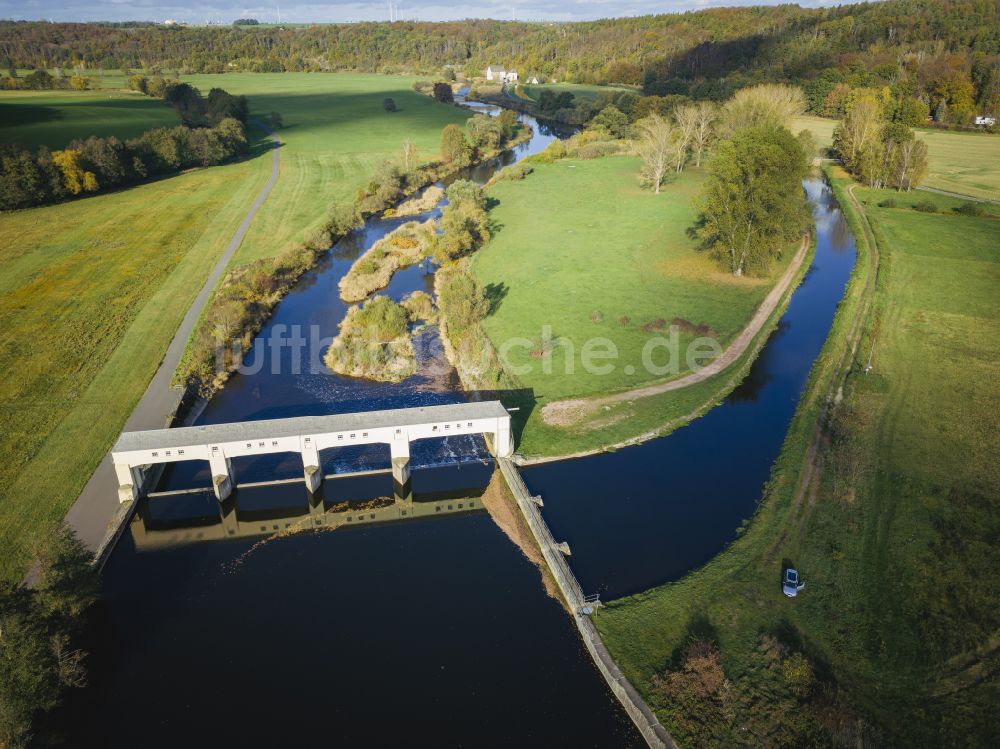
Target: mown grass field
pixel 54 118
pixel 581 244
pixel 335 134
pixel 92 291
pixel 898 619
pixel 966 163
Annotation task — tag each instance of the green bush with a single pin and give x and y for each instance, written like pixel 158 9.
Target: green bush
pixel 971 209
pixel 887 203
pixel 925 206
pixel 515 172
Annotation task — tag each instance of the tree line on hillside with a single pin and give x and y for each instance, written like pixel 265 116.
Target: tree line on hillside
pixel 213 134
pixel 942 53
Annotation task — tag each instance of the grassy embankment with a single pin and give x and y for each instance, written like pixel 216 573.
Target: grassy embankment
pixel 966 163
pixel 581 247
pixel 894 531
pixel 92 290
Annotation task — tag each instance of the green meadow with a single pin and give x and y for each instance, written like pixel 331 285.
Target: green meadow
pixel 894 535
pixel 92 290
pixel 54 118
pixel 583 251
pixel 335 134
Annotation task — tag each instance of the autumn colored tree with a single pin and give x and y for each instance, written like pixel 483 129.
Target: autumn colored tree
pixel 768 105
pixel 75 177
pixel 454 148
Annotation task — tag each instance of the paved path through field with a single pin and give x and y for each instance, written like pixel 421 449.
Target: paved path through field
pixel 568 412
pixel 94 515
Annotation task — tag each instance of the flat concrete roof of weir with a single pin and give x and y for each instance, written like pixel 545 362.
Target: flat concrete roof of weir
pixel 211 434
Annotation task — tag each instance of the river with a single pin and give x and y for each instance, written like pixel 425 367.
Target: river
pixel 435 627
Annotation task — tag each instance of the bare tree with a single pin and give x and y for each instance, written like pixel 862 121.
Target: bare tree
pixel 409 154
pixel 686 118
pixel 656 145
pixel 910 164
pixel 705 117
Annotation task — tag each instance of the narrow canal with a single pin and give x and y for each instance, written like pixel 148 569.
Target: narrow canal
pixel 435 627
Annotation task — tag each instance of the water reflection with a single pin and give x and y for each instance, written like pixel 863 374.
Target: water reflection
pixel 281 510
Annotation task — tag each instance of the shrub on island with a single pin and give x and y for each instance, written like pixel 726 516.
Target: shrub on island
pixel 374 343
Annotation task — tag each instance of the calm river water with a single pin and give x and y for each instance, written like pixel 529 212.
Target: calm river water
pixel 430 629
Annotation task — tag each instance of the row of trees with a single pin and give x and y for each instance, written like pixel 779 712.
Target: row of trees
pixel 36 178
pixel 42 80
pixel 876 150
pixel 196 110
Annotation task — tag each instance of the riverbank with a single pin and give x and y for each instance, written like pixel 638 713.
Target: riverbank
pixel 851 654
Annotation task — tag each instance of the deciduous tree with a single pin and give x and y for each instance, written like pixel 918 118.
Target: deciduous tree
pixel 656 144
pixel 767 105
pixel 454 148
pixel 409 154
pixel 753 202
pixel 75 178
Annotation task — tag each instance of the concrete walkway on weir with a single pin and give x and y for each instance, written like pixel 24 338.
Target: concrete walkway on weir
pixel 97 506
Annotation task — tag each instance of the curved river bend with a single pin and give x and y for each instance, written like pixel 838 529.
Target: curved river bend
pixel 430 628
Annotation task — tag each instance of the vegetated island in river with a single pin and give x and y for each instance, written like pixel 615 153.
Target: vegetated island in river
pixel 403 247
pixel 374 341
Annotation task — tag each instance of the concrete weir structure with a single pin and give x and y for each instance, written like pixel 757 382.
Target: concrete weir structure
pixel 135 452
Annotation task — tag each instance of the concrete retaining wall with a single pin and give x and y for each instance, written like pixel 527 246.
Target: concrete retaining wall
pixel 640 713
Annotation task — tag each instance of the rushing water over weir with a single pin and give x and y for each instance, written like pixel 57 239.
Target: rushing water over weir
pixel 434 628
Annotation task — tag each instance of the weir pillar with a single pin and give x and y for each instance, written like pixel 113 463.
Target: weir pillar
pixel 230 520
pixel 130 482
pixel 503 439
pixel 400 450
pixel 312 469
pixel 223 477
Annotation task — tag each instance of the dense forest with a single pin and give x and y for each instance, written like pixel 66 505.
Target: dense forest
pixel 944 52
